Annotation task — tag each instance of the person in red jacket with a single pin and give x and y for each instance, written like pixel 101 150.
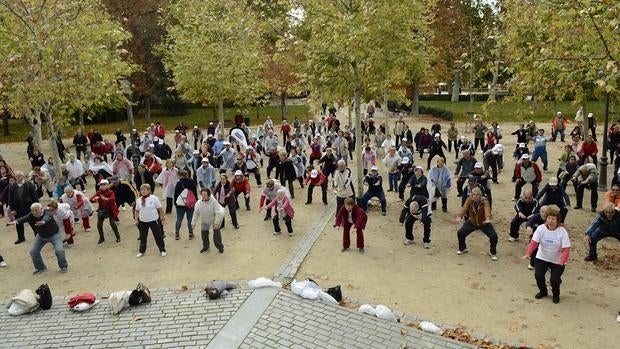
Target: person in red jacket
pixel 159 131
pixel 527 172
pixel 241 185
pixel 285 128
pixel 107 209
pixel 351 215
pixel 316 179
pixel 587 149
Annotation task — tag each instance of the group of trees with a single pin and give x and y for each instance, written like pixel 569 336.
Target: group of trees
pixel 65 58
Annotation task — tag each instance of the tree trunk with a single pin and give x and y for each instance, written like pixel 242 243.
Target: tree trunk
pixel 81 118
pixel 5 123
pixel 52 136
pixel 284 109
pixel 386 111
pixel 130 120
pixel 358 131
pixel 350 111
pixel 456 87
pixel 492 93
pixel 147 106
pixel 415 99
pixel 34 119
pixel 220 116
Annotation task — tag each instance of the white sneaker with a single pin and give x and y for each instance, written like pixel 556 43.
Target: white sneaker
pixel 618 318
pixel 511 239
pixel 513 199
pixel 493 257
pixel 163 254
pixel 530 267
pixel 139 255
pixel 408 242
pixel 427 245
pixel 277 232
pixel 3 264
pixel 290 234
pixel 87 230
pixel 462 252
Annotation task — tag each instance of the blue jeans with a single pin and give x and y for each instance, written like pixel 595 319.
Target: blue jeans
pixel 393 180
pixel 181 211
pixel 39 243
pixel 363 201
pixel 554 134
pixel 540 153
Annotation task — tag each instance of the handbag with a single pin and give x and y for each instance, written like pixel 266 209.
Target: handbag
pixel 186 198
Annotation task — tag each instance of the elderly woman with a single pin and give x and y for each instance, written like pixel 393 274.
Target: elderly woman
pixel 553 245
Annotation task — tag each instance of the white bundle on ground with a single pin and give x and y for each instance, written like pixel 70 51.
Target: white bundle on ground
pixel 385 313
pixel 430 327
pixel 367 309
pixel 327 298
pixel 310 290
pixel 25 302
pixel 263 282
pixel 118 301
pixel 80 307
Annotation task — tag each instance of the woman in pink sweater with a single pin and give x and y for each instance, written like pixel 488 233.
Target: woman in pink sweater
pixel 553 248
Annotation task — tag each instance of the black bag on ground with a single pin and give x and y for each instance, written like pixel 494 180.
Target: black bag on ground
pixel 45 296
pixel 335 292
pixel 140 295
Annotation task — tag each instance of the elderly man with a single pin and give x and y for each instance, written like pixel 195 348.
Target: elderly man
pixel 526 207
pixel 21 194
pixel 527 172
pixel 375 189
pixel 342 184
pixel 415 209
pixel 46 231
pixel 205 175
pixel 554 194
pixel 463 168
pixel 605 225
pixel 228 157
pixel 586 177
pixel 478 213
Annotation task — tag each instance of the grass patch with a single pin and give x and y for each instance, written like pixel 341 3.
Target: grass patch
pixel 515 111
pixel 197 116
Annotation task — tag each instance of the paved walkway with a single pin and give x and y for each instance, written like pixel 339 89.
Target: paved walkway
pixel 262 318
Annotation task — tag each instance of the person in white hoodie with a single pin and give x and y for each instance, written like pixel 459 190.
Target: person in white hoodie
pixel 75 171
pixel 211 213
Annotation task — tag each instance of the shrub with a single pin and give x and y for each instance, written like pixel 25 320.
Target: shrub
pixel 437 112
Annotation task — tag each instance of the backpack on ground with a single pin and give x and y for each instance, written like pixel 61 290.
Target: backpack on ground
pixel 45 296
pixel 335 292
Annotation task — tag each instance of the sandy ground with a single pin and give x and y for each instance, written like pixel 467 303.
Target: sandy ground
pixel 436 284
pixel 495 298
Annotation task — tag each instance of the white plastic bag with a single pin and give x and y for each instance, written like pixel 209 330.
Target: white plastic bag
pixel 325 297
pixel 310 293
pixel 430 327
pixel 25 302
pixel 119 301
pixel 367 309
pixel 84 306
pixel 263 282
pixel 385 313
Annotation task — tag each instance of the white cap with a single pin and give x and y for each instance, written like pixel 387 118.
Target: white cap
pixel 521 145
pixel 374 168
pixel 209 136
pixel 405 160
pixel 103 181
pixel 525 156
pixel 155 138
pixel 553 181
pixel 161 141
pixel 463 138
pixel 238 173
pixel 404 139
pixel 437 135
pixel 477 165
pixel 314 174
pixel 590 115
pixel 419 168
pixel 204 160
pixel 146 132
pixel 133 130
pixel 226 143
pixel 196 152
pixel 176 131
pixel 558 113
pixel 195 126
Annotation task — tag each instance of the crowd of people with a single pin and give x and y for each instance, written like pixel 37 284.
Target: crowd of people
pixel 202 173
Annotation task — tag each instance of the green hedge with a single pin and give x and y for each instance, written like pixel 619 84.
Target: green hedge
pixel 437 112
